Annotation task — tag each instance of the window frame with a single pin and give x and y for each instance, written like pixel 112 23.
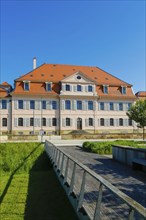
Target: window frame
pixel 54 122
pixel 79 105
pixel 31 121
pixel 44 122
pixel 67 104
pixel 44 106
pixel 111 122
pixel 26 86
pixel 68 122
pixel 20 104
pixel 102 122
pixel 111 104
pixel 54 105
pixel 32 104
pixel 90 121
pixel 79 88
pixel 90 88
pixel 102 106
pixel 105 89
pixel 121 122
pixel 130 122
pixel 90 105
pixel 4 122
pixel 123 90
pixel 48 86
pixel 4 104
pixel 20 122
pixel 67 87
pixel 120 106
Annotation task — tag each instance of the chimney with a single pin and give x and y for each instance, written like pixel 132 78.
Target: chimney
pixel 34 63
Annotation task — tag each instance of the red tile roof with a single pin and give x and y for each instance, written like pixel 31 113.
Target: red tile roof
pixel 141 94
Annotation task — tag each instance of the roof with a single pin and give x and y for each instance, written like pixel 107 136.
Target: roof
pixel 4 87
pixel 57 72
pixel 141 94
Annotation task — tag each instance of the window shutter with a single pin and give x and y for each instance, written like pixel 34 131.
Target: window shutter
pixel 106 106
pixel 63 87
pixel 39 105
pixel 62 104
pixel 24 122
pixel 35 122
pixel 82 88
pixel 39 122
pixel 84 105
pixel 94 88
pixel 116 107
pixel 15 122
pixel 125 122
pixel 74 104
pixel 71 88
pixel 24 104
pixel 50 122
pixel 27 105
pixel 49 104
pixel 86 122
pixel 27 122
pixel 86 88
pixel 74 88
pixel 71 122
pixel 125 107
pixel 16 104
pixel 117 122
pixel 0 104
pixel 94 105
pixel 63 122
pixel 94 122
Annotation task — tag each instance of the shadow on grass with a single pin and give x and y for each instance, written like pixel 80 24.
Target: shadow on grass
pixel 46 199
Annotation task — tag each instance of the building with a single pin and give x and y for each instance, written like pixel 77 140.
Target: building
pixel 61 99
pixel 141 95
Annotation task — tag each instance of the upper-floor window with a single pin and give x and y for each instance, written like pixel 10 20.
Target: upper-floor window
pixel 105 89
pixel 90 88
pixel 123 89
pixel 90 105
pixel 120 106
pixel 43 104
pixel 67 104
pixel 54 121
pixel 67 121
pixel 129 105
pixel 31 121
pixel 20 104
pixel 54 105
pixel 79 88
pixel 4 122
pixel 20 121
pixel 111 106
pixel 90 121
pixel 67 87
pixel 43 121
pixel 32 104
pixel 111 122
pixel 48 87
pixel 4 104
pixel 26 86
pixel 101 105
pixel 102 122
pixel 79 105
pixel 120 121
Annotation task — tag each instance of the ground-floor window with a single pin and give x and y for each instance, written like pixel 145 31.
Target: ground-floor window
pixel 31 121
pixel 43 121
pixel 90 121
pixel 20 121
pixel 130 122
pixel 120 121
pixel 54 121
pixel 67 121
pixel 111 122
pixel 102 122
pixel 4 122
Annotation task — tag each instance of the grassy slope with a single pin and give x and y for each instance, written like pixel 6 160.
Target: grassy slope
pixel 29 189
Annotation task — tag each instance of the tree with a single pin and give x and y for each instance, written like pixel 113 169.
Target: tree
pixel 137 113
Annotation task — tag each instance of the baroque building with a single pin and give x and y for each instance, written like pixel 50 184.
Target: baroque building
pixel 61 99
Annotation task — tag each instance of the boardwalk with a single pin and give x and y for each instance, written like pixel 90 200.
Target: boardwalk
pixel 130 182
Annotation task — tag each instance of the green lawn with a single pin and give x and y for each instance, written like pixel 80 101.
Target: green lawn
pixel 29 188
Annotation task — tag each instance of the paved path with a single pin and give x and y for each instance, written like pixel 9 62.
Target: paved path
pixel 132 183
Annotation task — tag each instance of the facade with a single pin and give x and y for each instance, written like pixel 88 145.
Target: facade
pixel 61 99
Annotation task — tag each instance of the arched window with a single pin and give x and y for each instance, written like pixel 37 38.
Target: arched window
pixel 120 121
pixel 20 121
pixel 43 121
pixel 111 122
pixel 67 121
pixel 90 121
pixel 102 122
pixel 31 121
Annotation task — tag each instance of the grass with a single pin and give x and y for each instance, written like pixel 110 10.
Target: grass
pixel 105 147
pixel 29 188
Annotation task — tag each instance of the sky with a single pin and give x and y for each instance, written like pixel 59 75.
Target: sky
pixel 107 34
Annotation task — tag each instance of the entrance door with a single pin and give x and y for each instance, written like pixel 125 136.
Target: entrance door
pixel 79 124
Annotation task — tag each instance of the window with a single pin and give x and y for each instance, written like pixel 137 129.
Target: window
pixel 79 88
pixel 32 104
pixel 4 104
pixel 121 121
pixel 102 122
pixel 67 104
pixel 120 106
pixel 101 105
pixel 31 121
pixel 4 122
pixel 90 121
pixel 79 105
pixel 78 77
pixel 111 122
pixel 20 121
pixel 54 122
pixel 67 87
pixel 43 121
pixel 111 106
pixel 105 89
pixel 54 105
pixel 90 89
pixel 130 122
pixel 43 104
pixel 129 105
pixel 90 105
pixel 123 90
pixel 20 104
pixel 67 121
pixel 48 87
pixel 26 86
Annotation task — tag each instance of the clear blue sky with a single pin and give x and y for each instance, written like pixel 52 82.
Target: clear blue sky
pixel 107 34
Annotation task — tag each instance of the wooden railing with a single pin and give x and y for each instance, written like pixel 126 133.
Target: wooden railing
pixel 92 196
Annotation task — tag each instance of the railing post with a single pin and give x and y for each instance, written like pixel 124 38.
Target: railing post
pixel 131 214
pixel 98 204
pixel 62 162
pixel 55 162
pixel 55 149
pixel 82 190
pixel 72 179
pixel 58 162
pixel 66 171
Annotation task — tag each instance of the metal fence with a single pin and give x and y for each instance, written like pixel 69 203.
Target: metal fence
pixel 92 196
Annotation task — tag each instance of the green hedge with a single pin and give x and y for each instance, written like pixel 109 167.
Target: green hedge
pixel 105 147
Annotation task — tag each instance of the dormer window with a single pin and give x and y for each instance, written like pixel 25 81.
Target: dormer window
pixel 67 87
pixel 105 89
pixel 79 88
pixel 123 89
pixel 26 86
pixel 48 86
